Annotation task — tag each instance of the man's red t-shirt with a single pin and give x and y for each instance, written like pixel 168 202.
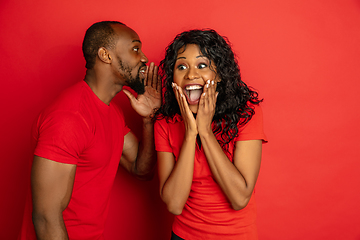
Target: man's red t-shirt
pixel 78 128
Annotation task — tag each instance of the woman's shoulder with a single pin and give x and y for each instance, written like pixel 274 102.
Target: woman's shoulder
pixel 253 129
pixel 161 119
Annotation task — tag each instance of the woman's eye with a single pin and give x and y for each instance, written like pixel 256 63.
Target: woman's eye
pixel 136 49
pixel 202 65
pixel 181 67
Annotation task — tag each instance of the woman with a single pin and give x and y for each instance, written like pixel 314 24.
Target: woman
pixel 209 138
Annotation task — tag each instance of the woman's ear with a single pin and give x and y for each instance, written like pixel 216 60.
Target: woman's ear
pixel 217 78
pixel 104 55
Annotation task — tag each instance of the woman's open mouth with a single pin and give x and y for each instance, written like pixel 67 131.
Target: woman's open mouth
pixel 193 93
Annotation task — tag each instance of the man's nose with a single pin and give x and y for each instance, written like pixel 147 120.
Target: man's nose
pixel 144 59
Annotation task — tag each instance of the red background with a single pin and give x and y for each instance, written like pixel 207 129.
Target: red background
pixel 302 56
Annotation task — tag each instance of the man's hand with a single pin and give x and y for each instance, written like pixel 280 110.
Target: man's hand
pixel 146 104
pixel 139 158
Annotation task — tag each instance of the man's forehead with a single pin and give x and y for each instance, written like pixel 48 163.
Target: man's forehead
pixel 126 34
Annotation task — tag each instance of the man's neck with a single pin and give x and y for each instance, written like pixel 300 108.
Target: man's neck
pixel 103 86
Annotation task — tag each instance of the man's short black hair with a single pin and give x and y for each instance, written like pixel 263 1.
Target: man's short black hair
pixel 100 34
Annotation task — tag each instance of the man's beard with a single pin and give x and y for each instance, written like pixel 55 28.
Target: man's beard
pixel 136 83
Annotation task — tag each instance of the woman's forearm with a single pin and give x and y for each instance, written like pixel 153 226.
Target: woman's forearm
pixel 176 189
pixel 237 184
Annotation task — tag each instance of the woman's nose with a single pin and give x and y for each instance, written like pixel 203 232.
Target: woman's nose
pixel 192 73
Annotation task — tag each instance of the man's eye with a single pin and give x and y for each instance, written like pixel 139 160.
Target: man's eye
pixel 202 65
pixel 136 49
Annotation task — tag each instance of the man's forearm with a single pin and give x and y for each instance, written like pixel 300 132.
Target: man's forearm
pixel 49 228
pixel 146 158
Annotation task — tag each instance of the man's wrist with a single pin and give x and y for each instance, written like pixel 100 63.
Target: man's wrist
pixel 148 120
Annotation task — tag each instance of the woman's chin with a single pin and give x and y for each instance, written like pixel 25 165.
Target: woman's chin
pixel 194 108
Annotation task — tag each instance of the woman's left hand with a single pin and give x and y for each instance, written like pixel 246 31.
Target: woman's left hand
pixel 206 108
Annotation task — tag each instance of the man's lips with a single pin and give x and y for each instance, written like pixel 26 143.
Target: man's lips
pixel 142 71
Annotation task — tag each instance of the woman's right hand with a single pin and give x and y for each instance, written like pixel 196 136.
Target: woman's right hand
pixel 187 115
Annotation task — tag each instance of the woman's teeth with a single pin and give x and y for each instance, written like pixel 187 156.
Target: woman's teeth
pixel 193 87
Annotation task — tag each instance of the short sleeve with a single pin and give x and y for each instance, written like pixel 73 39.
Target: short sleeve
pixel 126 129
pixel 61 136
pixel 161 134
pixel 253 130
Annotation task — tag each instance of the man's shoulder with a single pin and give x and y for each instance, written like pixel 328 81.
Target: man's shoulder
pixel 72 95
pixel 67 106
pixel 69 100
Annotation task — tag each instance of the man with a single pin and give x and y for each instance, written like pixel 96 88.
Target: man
pixel 82 137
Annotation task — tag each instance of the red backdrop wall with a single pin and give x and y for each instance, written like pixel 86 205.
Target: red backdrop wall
pixel 302 57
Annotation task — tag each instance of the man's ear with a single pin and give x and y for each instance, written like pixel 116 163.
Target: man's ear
pixel 104 55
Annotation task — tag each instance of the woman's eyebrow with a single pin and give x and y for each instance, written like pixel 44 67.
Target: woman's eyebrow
pixel 201 56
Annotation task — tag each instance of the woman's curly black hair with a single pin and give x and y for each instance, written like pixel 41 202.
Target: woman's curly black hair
pixel 232 106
